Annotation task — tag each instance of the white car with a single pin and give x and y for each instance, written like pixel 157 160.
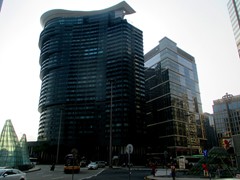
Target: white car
pixel 13 174
pixel 93 165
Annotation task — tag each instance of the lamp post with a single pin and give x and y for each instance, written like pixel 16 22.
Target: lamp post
pixel 59 135
pixel 110 128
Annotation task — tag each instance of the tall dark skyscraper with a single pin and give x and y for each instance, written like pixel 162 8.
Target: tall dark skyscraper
pixel 173 108
pixel 92 71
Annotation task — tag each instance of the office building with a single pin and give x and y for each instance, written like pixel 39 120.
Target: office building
pixel 234 13
pixel 92 72
pixel 1 2
pixel 173 107
pixel 226 113
pixel 210 131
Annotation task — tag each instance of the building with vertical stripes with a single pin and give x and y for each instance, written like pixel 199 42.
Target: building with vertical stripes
pixel 234 13
pixel 92 73
pixel 1 2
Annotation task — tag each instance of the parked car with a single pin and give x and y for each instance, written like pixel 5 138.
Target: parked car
pixel 92 165
pixel 101 164
pixel 13 174
pixel 83 163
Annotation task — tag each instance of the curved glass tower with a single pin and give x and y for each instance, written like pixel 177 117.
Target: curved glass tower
pixel 92 70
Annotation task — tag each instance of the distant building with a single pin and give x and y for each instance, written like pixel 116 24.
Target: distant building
pixel 1 2
pixel 210 131
pixel 92 72
pixel 173 108
pixel 234 13
pixel 236 142
pixel 226 113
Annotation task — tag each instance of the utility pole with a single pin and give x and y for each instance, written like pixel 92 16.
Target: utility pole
pixel 59 135
pixel 110 128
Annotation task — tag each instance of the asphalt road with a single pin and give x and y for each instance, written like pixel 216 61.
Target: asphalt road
pixel 122 174
pixel 45 174
pixel 102 174
pixel 84 174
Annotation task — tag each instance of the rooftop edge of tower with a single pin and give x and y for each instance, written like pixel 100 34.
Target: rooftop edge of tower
pixel 68 13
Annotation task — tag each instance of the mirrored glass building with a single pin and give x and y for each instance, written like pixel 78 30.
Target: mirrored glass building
pixel 234 13
pixel 226 113
pixel 173 107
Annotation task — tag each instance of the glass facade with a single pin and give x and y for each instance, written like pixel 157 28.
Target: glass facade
pixel 87 60
pixel 1 2
pixel 12 152
pixel 227 116
pixel 24 150
pixel 226 113
pixel 234 13
pixel 173 107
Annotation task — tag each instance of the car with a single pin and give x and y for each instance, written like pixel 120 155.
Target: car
pixel 101 164
pixel 13 174
pixel 92 165
pixel 83 163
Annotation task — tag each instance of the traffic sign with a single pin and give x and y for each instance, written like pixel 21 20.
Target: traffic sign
pixel 129 148
pixel 205 153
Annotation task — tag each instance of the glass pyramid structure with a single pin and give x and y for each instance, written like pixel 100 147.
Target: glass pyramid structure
pixel 24 150
pixel 12 152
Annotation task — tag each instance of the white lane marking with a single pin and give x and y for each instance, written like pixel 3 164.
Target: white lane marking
pixel 92 175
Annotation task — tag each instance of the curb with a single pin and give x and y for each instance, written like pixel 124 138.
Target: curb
pixel 33 169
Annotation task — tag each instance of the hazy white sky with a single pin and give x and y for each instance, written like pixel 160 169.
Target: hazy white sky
pixel 200 27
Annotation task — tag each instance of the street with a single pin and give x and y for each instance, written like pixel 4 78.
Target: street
pixel 45 173
pixel 102 174
pixel 122 174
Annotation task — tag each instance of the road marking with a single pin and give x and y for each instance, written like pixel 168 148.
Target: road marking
pixel 92 175
pixel 47 175
pixel 58 177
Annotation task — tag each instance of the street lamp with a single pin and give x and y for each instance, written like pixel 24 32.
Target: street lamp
pixel 110 128
pixel 59 135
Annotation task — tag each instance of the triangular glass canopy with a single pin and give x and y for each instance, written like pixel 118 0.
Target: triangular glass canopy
pixel 12 152
pixel 24 150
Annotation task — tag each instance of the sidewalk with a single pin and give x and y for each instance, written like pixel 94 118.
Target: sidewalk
pixel 165 174
pixel 169 178
pixel 35 168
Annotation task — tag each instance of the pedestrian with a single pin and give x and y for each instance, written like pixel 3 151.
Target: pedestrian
pixel 218 171
pixel 173 171
pixel 153 169
pixel 52 167
pixel 205 169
